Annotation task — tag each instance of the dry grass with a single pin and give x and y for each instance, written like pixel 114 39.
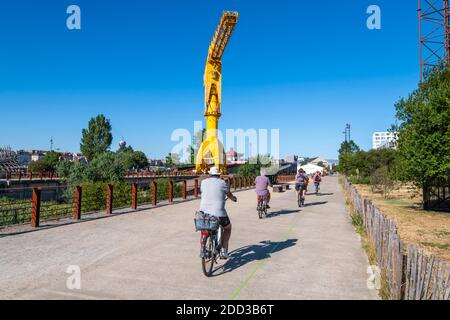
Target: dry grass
pixel 428 230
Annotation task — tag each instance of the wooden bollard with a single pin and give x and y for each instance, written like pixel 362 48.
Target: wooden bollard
pixel 170 191
pixel 154 193
pixel 245 182
pixel 77 197
pixel 36 207
pixel 20 175
pixel 234 184
pixel 229 183
pixel 134 193
pixel 109 199
pixel 30 175
pixel 196 188
pixel 184 191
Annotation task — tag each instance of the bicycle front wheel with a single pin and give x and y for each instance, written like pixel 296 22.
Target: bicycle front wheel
pixel 209 256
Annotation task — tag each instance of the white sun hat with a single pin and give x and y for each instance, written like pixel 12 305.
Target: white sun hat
pixel 214 171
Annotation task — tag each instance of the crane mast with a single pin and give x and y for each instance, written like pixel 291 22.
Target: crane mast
pixel 212 149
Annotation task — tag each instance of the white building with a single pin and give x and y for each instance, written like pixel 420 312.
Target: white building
pixel 310 168
pixel 380 139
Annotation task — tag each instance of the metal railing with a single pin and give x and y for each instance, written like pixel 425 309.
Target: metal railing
pixel 31 206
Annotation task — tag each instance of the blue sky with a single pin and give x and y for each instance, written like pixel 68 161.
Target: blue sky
pixel 304 67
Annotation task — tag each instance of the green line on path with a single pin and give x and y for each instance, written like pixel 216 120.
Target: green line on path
pixel 261 263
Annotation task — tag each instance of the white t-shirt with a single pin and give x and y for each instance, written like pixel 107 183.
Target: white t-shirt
pixel 214 191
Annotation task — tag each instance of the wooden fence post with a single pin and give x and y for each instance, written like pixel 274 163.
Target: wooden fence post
pixel 134 193
pixel 170 191
pixel 36 208
pixel 196 188
pixel 234 184
pixel 184 191
pixel 109 199
pixel 229 183
pixel 77 197
pixel 154 193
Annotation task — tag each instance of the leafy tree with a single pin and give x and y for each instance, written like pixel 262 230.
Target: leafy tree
pixel 199 137
pixel 424 130
pixel 97 138
pixel 107 167
pixel 249 170
pixel 349 147
pixel 253 167
pixel 346 151
pixel 172 160
pixel 132 159
pixel 39 166
pixel 48 163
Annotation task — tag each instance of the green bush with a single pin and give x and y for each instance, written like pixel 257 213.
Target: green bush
pixel 163 188
pixel 359 179
pixel 381 181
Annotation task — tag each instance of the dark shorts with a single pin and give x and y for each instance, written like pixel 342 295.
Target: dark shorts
pixel 224 221
pixel 300 186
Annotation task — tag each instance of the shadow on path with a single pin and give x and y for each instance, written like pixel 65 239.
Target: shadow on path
pixel 309 204
pixel 247 254
pixel 280 212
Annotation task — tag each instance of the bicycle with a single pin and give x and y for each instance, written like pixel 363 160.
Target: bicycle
pixel 262 206
pixel 210 241
pixel 300 197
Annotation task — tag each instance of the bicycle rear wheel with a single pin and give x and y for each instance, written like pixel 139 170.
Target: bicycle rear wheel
pixel 259 209
pixel 264 209
pixel 209 256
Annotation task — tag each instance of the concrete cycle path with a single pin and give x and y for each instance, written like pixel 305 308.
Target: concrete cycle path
pixel 311 252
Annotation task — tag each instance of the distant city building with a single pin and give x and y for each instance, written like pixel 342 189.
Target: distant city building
pixel 291 158
pixel 37 155
pixel 155 163
pixel 384 140
pixel 234 157
pixel 24 158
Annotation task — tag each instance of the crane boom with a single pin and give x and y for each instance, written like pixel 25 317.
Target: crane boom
pixel 222 35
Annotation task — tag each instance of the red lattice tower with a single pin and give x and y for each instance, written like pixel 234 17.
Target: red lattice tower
pixel 434 33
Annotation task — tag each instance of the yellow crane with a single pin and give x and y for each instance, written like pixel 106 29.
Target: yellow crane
pixel 212 149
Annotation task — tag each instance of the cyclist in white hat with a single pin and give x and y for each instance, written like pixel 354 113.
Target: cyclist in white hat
pixel 214 192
